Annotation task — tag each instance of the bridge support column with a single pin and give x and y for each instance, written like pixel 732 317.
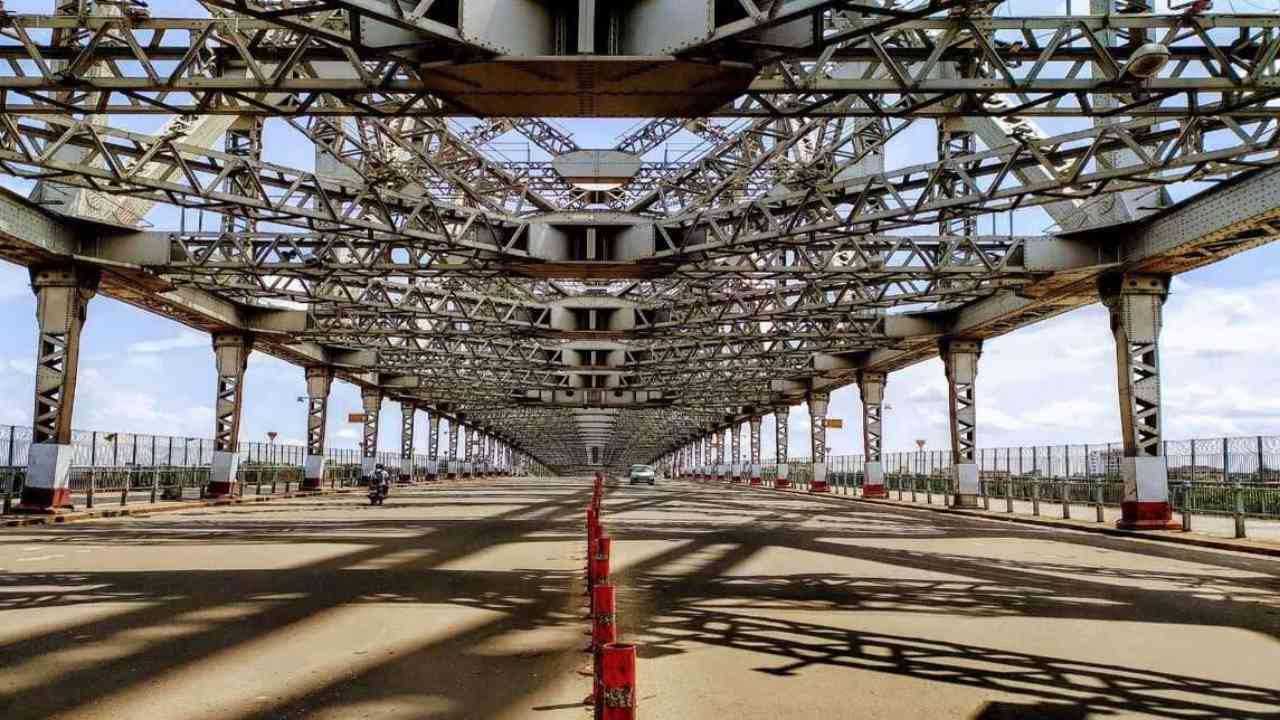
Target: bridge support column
pixel 961 360
pixel 231 356
pixel 735 437
pixel 408 412
pixel 756 476
pixel 489 466
pixel 433 444
pixel 708 455
pixel 871 387
pixel 468 450
pixel 818 401
pixel 1136 304
pixel 319 382
pixel 781 415
pixel 371 399
pixel 62 302
pixel 718 440
pixel 453 461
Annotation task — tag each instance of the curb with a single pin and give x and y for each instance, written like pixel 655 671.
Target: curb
pixel 1172 537
pixel 1252 547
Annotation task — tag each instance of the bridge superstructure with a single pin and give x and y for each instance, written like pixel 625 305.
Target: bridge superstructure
pixel 603 306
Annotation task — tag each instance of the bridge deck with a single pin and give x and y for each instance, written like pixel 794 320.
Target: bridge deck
pixel 462 601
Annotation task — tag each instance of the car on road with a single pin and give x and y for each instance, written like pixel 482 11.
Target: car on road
pixel 643 474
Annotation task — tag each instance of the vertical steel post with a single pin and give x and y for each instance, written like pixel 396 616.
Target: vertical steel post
pixel 818 402
pixel 1008 474
pixel 12 478
pixel 155 472
pixel 1186 505
pixel 1066 482
pixel 62 302
pixel 93 469
pixel 781 416
pixel 231 353
pixel 871 389
pixel 371 401
pixel 1135 303
pixel 1237 502
pixel 319 383
pixel 960 359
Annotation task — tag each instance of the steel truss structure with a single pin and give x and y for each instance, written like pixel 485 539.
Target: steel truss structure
pixel 592 320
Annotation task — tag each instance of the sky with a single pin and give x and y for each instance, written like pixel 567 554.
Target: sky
pixel 1052 383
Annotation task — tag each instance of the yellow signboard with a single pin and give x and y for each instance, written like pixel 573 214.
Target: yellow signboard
pixel 355 417
pixel 835 423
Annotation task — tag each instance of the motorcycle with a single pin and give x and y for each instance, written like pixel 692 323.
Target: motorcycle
pixel 378 493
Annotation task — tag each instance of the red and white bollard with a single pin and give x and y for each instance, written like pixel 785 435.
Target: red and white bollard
pixel 600 561
pixel 616 699
pixel 603 603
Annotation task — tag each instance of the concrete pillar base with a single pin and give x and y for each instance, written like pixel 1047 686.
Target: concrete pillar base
pixel 966 486
pixel 44 501
pixel 783 479
pixel 222 475
pixel 819 484
pixel 1136 515
pixel 313 472
pixel 1146 503
pixel 873 480
pixel 219 490
pixel 47 490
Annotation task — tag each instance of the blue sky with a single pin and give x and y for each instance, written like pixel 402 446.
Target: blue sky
pixel 1049 384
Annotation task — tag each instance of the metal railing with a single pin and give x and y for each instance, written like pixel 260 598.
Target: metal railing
pixel 166 468
pixel 1235 477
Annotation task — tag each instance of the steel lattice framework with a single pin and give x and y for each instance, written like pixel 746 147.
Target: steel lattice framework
pixel 590 319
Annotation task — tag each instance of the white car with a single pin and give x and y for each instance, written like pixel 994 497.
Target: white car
pixel 643 474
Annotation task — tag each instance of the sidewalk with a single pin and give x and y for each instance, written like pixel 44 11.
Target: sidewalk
pixel 1208 531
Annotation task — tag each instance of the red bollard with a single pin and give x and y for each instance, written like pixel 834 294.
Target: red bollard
pixel 616 699
pixel 600 561
pixel 603 630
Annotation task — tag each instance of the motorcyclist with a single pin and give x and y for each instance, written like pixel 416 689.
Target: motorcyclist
pixel 381 480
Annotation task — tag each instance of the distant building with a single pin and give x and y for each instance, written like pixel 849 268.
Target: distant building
pixel 1105 463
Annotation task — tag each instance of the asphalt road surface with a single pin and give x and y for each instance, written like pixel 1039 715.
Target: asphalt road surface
pixel 464 601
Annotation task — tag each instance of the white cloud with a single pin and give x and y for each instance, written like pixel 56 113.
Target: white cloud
pixel 15 283
pixel 183 340
pixel 20 367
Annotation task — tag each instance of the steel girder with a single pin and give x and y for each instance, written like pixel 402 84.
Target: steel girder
pixel 1217 65
pixel 785 257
